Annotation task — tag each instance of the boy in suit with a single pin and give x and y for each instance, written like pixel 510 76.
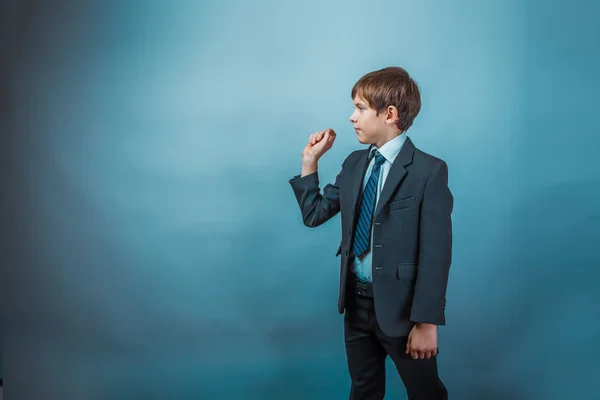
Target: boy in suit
pixel 396 242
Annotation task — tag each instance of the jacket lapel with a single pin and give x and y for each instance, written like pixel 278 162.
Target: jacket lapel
pixel 396 174
pixel 358 176
pixel 394 178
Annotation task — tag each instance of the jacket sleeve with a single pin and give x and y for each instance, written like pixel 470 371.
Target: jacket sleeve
pixel 435 249
pixel 316 207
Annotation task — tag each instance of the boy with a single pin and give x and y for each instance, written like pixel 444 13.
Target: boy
pixel 396 238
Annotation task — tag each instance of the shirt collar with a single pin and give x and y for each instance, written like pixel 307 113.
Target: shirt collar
pixel 391 149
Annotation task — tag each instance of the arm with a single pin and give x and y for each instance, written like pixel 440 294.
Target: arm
pixel 316 208
pixel 435 249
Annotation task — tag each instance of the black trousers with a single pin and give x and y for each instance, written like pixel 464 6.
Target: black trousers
pixel 367 348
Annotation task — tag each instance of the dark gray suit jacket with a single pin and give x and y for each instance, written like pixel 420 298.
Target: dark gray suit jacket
pixel 412 233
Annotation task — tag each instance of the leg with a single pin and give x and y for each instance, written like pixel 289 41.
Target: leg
pixel 420 377
pixel 365 355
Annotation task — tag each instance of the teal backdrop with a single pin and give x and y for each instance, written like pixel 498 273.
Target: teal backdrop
pixel 154 248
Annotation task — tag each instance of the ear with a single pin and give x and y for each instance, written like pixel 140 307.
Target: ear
pixel 391 115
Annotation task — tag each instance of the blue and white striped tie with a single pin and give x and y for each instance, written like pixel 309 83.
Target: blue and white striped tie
pixel 362 233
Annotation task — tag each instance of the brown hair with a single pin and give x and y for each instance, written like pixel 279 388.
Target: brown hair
pixel 391 86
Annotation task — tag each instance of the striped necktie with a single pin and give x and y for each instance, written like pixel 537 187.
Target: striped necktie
pixel 362 233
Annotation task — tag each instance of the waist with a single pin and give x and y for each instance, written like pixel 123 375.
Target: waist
pixel 358 287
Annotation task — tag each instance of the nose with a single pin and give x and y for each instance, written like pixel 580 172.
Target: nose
pixel 352 118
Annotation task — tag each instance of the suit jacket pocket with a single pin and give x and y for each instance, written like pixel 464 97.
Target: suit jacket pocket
pixel 403 203
pixel 408 271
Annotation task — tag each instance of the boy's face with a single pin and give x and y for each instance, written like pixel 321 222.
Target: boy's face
pixel 370 127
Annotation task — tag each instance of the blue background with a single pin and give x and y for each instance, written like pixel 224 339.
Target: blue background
pixel 154 246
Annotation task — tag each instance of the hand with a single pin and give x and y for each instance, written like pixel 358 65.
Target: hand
pixel 422 341
pixel 318 144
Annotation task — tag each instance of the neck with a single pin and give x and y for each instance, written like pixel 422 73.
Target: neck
pixel 387 138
